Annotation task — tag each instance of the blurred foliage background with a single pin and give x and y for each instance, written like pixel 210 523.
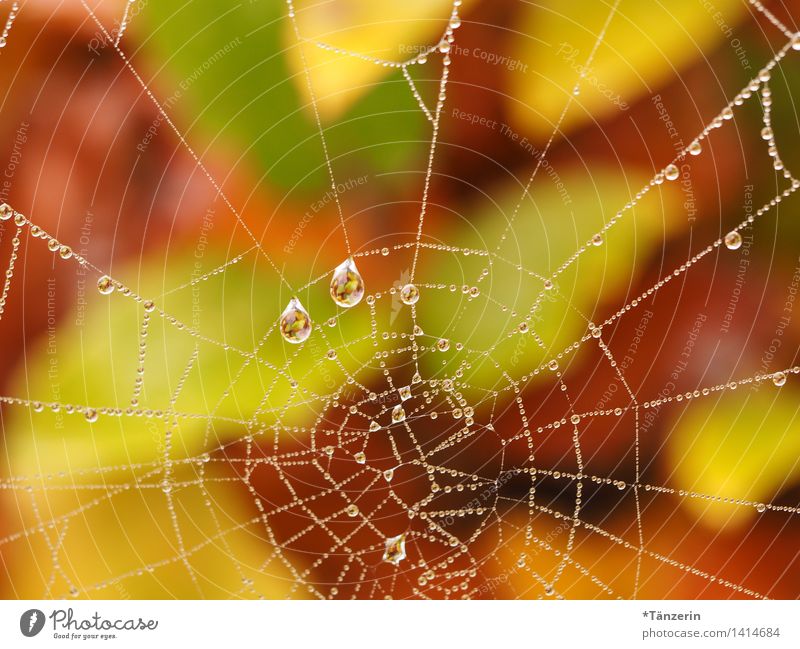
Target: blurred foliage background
pixel 90 159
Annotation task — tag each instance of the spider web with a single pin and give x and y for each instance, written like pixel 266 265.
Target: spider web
pixel 417 471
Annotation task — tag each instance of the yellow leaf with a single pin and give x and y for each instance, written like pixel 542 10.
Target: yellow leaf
pixel 391 31
pixel 646 43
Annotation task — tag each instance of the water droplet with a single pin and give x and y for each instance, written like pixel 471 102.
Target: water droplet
pixel 105 285
pixel 6 212
pixel 149 306
pixel 418 330
pixel 37 407
pixel 388 475
pixel 53 245
pixel 766 133
pixel 796 42
pixel 373 426
pixel 384 251
pixel 575 419
pixel 347 286
pixel 444 47
pixel 553 365
pixel 405 393
pixel 779 379
pixel 597 332
pixel 331 354
pixel 409 294
pixel 91 415
pixel 733 240
pixel 548 284
pixel 360 457
pixel 671 172
pixel 352 510
pixel 166 487
pixel 416 378
pixel 548 590
pixel 761 508
pixel 442 344
pixel 295 324
pixel 398 414
pixel 597 240
pixel 695 148
pixel 65 252
pixel 447 385
pixel 395 550
pixel 522 327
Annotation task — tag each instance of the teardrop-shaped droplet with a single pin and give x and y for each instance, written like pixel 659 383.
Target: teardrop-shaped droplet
pixel 405 393
pixel 388 475
pixel 360 457
pixel 295 323
pixel 395 550
pixel 373 426
pixel 347 286
pixel 733 240
pixel 417 330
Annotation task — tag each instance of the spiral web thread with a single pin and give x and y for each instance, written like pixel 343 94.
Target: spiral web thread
pixel 443 556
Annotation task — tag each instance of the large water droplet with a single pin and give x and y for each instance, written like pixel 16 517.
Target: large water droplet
pixel 779 379
pixel 295 323
pixel 347 286
pixel 395 550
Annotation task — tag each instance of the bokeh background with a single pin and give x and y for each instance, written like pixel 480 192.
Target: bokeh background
pixel 88 156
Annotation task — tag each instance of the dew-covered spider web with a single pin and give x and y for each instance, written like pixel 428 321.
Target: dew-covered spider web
pixel 464 433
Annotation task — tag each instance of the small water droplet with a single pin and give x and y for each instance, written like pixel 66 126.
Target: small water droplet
pixel 695 148
pixel 373 426
pixel 105 285
pixel 409 294
pixel 395 550
pixel 149 306
pixel 671 172
pixel 384 251
pixel 416 378
pixel 91 415
pixel 553 365
pixel 352 510
pixel 347 286
pixel 6 212
pixel 388 475
pixel 360 457
pixel 779 379
pixel 418 330
pixel 398 414
pixel 597 240
pixel 442 344
pixel 65 252
pixel 761 508
pixel 733 240
pixel 331 354
pixel 295 323
pixel 405 393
